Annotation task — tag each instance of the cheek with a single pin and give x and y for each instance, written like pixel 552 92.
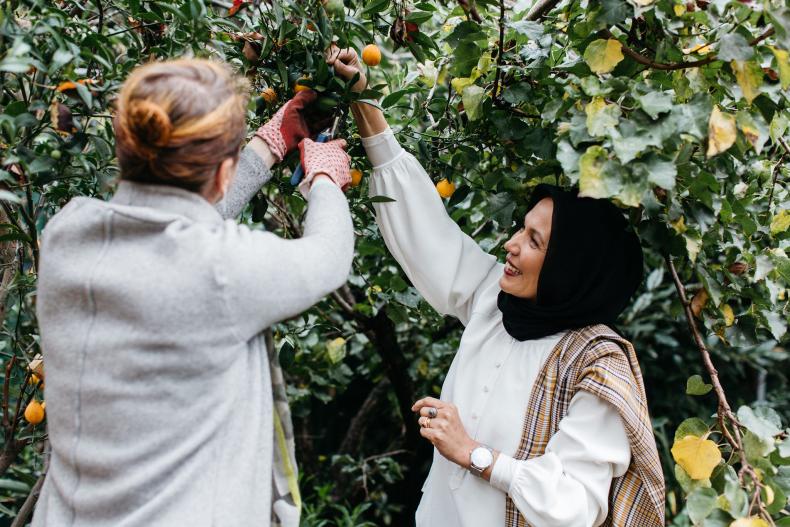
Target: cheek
pixel 531 261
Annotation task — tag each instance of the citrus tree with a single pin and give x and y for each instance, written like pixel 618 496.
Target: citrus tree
pixel 675 110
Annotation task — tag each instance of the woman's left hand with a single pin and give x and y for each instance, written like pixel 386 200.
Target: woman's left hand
pixel 445 431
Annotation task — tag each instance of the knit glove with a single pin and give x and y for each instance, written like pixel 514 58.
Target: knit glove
pixel 324 158
pixel 290 125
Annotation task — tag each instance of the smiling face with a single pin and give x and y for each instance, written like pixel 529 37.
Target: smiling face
pixel 526 250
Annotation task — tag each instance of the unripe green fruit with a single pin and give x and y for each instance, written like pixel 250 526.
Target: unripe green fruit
pixel 55 154
pixel 334 7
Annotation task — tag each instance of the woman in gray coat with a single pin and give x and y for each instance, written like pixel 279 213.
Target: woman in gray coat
pixel 151 307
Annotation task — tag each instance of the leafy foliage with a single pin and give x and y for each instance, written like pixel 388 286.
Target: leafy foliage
pixel 677 111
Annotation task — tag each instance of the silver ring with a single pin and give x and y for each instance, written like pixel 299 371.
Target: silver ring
pixel 432 412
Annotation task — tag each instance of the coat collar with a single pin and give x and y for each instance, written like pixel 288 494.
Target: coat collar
pixel 166 198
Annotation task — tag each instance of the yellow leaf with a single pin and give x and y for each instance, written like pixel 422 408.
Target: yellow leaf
pixel 754 521
pixel 749 75
pixel 591 182
pixel 700 49
pixel 601 116
pixel 783 61
pixel 721 132
pixel 679 225
pixel 680 9
pixel 780 222
pixel 697 456
pixel 729 316
pixel 603 55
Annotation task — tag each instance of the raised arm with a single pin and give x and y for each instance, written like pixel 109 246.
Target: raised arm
pixel 253 172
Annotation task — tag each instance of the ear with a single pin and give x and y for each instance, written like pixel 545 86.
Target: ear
pixel 224 176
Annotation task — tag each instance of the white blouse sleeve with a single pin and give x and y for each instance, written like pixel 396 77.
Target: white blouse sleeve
pixel 445 265
pixel 568 486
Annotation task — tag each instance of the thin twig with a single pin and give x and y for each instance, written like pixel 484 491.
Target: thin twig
pixel 775 176
pixel 541 8
pixel 500 51
pixel 641 59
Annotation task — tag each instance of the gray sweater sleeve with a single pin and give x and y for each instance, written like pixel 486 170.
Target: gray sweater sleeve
pixel 251 175
pixel 268 279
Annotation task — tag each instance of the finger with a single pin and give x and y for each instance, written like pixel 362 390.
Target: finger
pixel 331 53
pixel 426 411
pixel 428 434
pixel 428 401
pixel 344 70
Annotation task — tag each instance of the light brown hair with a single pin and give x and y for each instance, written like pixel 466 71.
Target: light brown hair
pixel 176 121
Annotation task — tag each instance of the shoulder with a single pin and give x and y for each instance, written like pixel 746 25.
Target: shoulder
pixel 594 343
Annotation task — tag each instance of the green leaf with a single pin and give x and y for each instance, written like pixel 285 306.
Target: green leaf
pixel 655 103
pixel 763 422
pixel 472 98
pixel 615 11
pixel 694 426
pixel 696 386
pixel 733 46
pixel 701 503
pixel 465 57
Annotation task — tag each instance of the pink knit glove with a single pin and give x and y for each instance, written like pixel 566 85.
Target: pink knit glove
pixel 288 126
pixel 324 158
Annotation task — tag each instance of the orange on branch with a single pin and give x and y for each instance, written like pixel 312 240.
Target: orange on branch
pixel 356 177
pixel 269 95
pixel 301 87
pixel 371 55
pixel 445 188
pixel 34 413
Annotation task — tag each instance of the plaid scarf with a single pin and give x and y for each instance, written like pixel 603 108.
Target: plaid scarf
pixel 597 360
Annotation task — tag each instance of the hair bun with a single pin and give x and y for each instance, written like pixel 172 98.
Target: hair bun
pixel 149 124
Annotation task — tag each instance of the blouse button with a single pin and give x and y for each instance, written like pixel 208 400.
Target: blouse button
pixel 474 416
pixel 498 364
pixel 485 389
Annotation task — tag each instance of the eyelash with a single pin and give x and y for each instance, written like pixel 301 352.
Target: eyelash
pixel 532 242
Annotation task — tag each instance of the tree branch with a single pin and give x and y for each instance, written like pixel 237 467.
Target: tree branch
pixel 30 502
pixel 724 411
pixel 350 443
pixel 470 10
pixel 641 59
pixel 541 8
pixel 500 51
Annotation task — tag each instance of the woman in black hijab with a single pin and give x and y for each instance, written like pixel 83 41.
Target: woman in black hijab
pixel 542 418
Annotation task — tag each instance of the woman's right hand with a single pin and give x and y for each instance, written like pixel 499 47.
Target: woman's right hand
pixel 328 159
pixel 346 63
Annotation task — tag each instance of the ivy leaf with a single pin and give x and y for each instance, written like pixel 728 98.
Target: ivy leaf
pixel 697 456
pixel 721 132
pixel 615 11
pixel 783 62
pixel 701 503
pixel 656 102
pixel 603 55
pixel 780 222
pixel 696 386
pixel 754 129
pixel 761 422
pixel 472 98
pixel 734 47
pixel 598 177
pixel 602 117
pixel 569 159
pixel 749 76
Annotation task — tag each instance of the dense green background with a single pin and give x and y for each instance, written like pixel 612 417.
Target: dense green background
pixel 495 100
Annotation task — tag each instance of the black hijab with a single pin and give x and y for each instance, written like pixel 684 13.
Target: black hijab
pixel 592 267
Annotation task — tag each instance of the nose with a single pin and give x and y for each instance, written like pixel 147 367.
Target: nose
pixel 511 246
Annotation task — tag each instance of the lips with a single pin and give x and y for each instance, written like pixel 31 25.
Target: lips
pixel 511 270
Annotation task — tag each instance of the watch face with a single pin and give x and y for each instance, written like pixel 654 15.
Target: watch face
pixel 482 457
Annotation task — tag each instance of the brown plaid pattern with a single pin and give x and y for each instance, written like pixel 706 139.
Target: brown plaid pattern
pixel 599 361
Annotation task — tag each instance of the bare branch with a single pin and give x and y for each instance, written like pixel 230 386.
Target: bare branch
pixel 541 8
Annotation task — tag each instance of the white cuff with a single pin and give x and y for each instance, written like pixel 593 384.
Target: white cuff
pixel 503 472
pixel 382 148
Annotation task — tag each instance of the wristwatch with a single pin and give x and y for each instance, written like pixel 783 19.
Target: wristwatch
pixel 480 459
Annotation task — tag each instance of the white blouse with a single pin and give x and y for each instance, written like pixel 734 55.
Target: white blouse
pixel 491 377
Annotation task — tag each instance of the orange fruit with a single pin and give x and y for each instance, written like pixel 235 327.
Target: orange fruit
pixel 43 405
pixel 371 55
pixel 445 188
pixel 269 95
pixel 356 177
pixel 34 413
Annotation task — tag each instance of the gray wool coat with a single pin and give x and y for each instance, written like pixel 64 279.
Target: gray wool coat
pixel 150 307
